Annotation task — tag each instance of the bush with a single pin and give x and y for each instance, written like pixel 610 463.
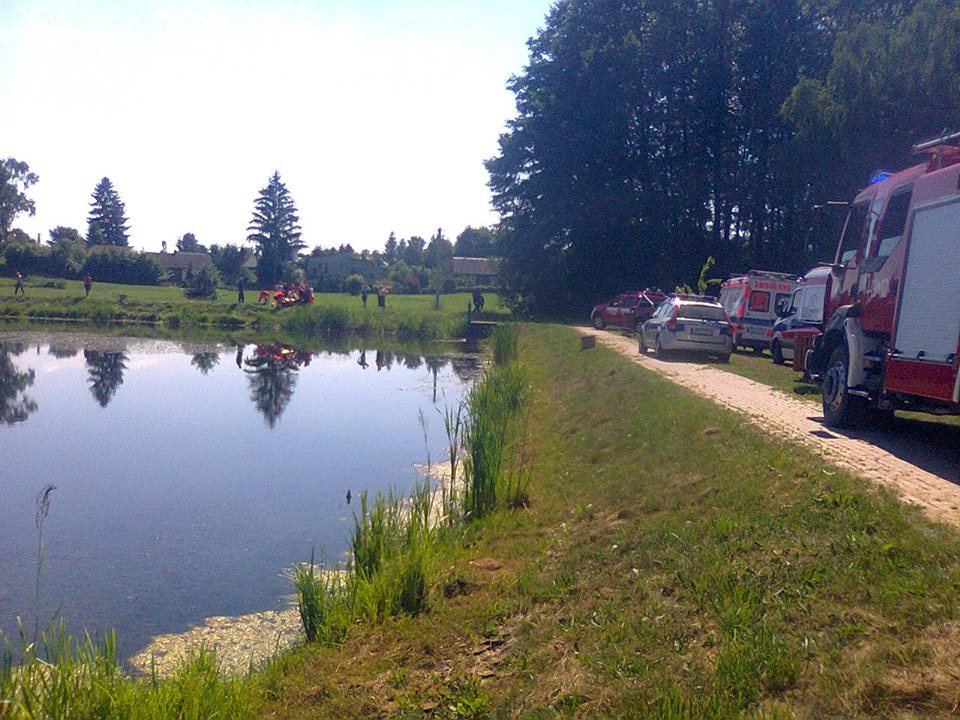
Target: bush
pixel 62 260
pixel 353 284
pixel 201 284
pixel 117 265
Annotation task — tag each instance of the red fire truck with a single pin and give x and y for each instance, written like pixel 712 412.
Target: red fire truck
pixel 892 309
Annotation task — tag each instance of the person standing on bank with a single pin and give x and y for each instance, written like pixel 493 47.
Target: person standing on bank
pixel 240 290
pixel 18 288
pixel 381 297
pixel 363 296
pixel 87 284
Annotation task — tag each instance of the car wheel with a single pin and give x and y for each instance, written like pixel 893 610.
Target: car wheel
pixel 777 351
pixel 757 349
pixel 658 349
pixel 840 408
pixel 598 322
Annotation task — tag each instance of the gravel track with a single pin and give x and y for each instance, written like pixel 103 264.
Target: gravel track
pixel 920 461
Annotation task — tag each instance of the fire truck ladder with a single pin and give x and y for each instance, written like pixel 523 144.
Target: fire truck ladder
pixel 946 139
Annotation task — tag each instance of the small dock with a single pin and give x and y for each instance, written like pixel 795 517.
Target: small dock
pixel 478 329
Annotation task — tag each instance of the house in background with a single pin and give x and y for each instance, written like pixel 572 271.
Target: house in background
pixel 475 271
pixel 327 270
pixel 176 264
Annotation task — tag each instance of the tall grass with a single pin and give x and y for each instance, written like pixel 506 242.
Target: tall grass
pixel 506 344
pixel 58 677
pixel 492 477
pixel 323 602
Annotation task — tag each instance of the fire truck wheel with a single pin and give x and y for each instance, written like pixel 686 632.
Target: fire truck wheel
pixel 840 408
pixel 598 322
pixel 777 352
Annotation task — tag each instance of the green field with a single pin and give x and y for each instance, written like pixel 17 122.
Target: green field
pixel 405 316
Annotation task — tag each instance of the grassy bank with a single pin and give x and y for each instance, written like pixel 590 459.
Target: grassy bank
pixel 405 316
pixel 673 563
pixel 668 561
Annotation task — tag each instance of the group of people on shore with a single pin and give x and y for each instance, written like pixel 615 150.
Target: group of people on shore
pixel 283 295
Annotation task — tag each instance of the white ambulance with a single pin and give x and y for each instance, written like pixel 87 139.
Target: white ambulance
pixel 751 301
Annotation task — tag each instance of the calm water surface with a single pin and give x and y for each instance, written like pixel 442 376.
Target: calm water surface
pixel 189 477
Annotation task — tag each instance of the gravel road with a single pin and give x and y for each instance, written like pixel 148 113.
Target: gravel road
pixel 919 460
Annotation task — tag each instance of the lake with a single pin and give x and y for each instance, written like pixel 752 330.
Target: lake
pixel 189 477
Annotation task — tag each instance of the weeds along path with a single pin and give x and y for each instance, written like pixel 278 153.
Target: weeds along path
pixel 917 470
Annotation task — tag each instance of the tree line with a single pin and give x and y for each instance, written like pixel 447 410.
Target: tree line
pixel 653 134
pixel 274 237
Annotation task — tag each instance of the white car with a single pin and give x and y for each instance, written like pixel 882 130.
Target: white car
pixel 695 323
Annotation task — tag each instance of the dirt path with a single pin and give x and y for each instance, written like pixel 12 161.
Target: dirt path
pixel 921 469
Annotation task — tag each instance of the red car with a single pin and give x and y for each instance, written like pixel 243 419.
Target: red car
pixel 627 310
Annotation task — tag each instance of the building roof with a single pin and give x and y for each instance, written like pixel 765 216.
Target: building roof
pixel 475 266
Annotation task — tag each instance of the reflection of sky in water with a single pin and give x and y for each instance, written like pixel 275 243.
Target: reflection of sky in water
pixel 177 501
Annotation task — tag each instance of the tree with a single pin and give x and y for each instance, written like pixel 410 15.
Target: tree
pixel 15 404
pixel 439 253
pixel 475 242
pixel 105 373
pixel 15 179
pixel 413 254
pixel 272 382
pixel 229 260
pixel 390 248
pixel 205 361
pixel 275 230
pixel 107 223
pixel 61 234
pixel 189 243
pixel 649 134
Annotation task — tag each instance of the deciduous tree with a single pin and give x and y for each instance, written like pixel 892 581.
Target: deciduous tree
pixel 189 243
pixel 475 242
pixel 15 179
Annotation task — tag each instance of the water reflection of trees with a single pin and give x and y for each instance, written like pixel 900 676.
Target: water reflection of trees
pixel 106 373
pixel 272 371
pixel 15 405
pixel 205 361
pixel 62 352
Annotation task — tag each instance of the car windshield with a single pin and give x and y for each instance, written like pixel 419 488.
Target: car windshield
pixel 702 312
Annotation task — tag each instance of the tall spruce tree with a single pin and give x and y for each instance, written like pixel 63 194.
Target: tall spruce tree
pixel 107 223
pixel 275 230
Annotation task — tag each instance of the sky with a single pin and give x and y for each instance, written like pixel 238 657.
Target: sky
pixel 378 114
